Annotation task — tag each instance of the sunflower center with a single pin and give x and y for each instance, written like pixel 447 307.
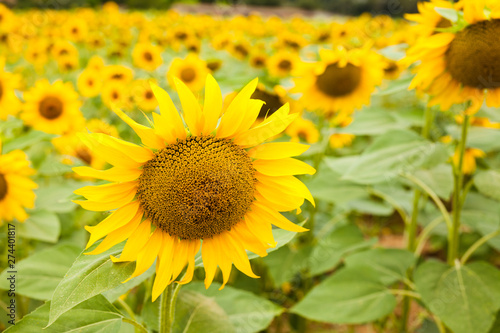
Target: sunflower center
pixel 473 57
pixel 273 102
pixel 188 74
pixel 149 94
pixel 148 56
pixel 84 155
pixel 50 107
pixel 3 186
pixel 198 187
pixel 1 90
pixel 285 65
pixel 339 81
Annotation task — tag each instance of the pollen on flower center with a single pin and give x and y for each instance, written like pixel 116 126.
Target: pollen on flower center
pixel 473 57
pixel 285 65
pixel 339 81
pixel 188 74
pixel 3 186
pixel 148 56
pixel 50 107
pixel 198 187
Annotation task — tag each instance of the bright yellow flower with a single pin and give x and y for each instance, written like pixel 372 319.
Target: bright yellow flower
pixel 9 103
pixel 192 71
pixel 214 185
pixel 16 189
pixel 52 108
pixel 469 159
pixel 147 56
pixel 89 83
pixel 303 130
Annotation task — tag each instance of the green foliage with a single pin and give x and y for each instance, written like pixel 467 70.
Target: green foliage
pixel 465 298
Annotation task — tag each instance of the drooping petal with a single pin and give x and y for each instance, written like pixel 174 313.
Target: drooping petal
pixel 283 167
pixel 135 243
pixel 275 218
pixel 148 254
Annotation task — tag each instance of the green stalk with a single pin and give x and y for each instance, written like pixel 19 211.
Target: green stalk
pixel 458 179
pixel 411 226
pixel 165 310
pixel 477 244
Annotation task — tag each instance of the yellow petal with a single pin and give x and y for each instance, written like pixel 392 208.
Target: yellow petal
pixel 117 219
pixel 275 218
pixel 164 269
pixel 260 228
pixel 169 114
pixel 107 192
pixel 190 107
pixel 280 200
pixel 289 184
pixel 114 174
pixel 100 206
pixel 148 254
pixel 210 259
pixel 193 247
pixel 283 167
pixel 212 107
pixel 237 254
pixel 135 152
pixel 277 150
pixel 147 135
pixel 135 243
pixel 233 116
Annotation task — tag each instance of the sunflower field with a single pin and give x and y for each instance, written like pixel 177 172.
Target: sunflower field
pixel 347 167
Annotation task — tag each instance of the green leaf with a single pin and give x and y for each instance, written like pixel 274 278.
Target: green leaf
pixel 391 264
pixel 465 298
pixel 483 215
pixel 488 183
pixel 39 274
pixel 40 225
pixel 56 196
pixel 393 153
pixel 247 312
pixel 94 315
pixel 113 294
pixel 286 262
pixel 373 122
pixel 335 246
pixel 352 295
pixel 195 313
pixel 328 186
pixel 24 141
pixel 448 13
pixel 90 275
pixel 486 139
pixel 395 86
pixel 439 179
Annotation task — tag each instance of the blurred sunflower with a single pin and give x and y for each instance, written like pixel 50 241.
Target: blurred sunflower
pixel 428 19
pixel 282 63
pixel 16 189
pixel 115 93
pixel 89 83
pixel 9 103
pixel 341 82
pixel 462 64
pixel 118 73
pixel 191 70
pixel 71 144
pixel 258 59
pixel 143 95
pixel 303 130
pixel 202 186
pixel 52 108
pixel 147 56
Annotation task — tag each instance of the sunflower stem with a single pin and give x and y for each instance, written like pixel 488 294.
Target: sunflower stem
pixel 458 179
pixel 177 288
pixel 166 321
pixel 412 224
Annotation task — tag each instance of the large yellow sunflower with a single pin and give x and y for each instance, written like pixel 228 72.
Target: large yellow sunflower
pixel 341 82
pixel 52 108
pixel 16 189
pixel 463 63
pixel 215 185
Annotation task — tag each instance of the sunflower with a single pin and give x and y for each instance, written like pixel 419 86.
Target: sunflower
pixel 282 63
pixel 215 185
pixel 192 71
pixel 147 56
pixel 303 130
pixel 143 95
pixel 16 189
pixel 463 63
pixel 118 73
pixel 258 59
pixel 341 82
pixel 115 93
pixel 75 30
pixel 9 103
pixel 68 63
pixel 52 108
pixel 428 19
pixel 89 83
pixel 71 144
